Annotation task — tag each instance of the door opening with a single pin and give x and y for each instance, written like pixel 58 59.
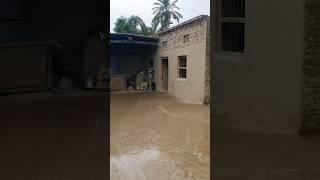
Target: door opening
pixel 165 72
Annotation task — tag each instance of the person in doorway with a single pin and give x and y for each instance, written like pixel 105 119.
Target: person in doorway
pixel 150 78
pixel 139 79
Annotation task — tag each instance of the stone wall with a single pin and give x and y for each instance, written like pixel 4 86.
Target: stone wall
pixel 174 38
pixel 311 115
pixel 207 70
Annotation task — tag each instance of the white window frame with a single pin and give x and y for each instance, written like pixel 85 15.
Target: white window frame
pixel 180 67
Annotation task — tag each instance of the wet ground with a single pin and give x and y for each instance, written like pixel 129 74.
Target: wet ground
pixel 45 136
pixel 154 136
pixel 247 155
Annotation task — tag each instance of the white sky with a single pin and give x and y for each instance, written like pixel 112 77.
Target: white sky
pixel 143 9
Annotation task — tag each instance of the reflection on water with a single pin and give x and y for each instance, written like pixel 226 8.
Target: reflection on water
pixel 131 166
pixel 155 137
pixel 143 165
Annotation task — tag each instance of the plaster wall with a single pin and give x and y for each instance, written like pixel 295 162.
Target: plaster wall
pixel 262 88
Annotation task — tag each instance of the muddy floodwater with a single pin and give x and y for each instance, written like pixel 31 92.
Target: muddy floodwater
pixel 154 136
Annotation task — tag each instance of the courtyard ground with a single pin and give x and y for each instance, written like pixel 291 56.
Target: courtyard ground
pixel 244 155
pixel 47 136
pixel 154 136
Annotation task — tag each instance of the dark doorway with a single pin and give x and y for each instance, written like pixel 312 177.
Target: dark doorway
pixel 164 67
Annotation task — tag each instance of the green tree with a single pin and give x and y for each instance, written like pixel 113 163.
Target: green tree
pixel 121 25
pixel 132 25
pixel 163 12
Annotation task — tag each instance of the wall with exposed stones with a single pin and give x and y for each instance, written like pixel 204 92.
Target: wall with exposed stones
pixel 207 70
pixel 196 30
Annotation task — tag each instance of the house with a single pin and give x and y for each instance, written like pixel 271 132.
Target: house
pixel 182 61
pixel 266 64
pixel 179 55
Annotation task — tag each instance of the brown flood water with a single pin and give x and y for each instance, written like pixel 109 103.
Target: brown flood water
pixel 153 136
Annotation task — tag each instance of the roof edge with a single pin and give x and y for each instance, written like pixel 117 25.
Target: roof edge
pixel 202 16
pixel 137 35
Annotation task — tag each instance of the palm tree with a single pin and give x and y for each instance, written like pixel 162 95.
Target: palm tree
pixel 164 10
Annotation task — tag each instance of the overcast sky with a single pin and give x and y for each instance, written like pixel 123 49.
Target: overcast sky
pixel 143 8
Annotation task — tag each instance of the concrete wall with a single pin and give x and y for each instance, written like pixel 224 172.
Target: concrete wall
pixel 190 89
pixel 262 89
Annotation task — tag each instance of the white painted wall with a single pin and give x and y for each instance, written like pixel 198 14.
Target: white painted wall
pixel 190 89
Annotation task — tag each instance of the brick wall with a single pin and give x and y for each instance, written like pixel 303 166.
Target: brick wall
pixel 207 70
pixel 24 67
pixel 311 114
pixel 174 38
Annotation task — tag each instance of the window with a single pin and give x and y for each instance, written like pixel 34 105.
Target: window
pixel 186 38
pixel 164 44
pixel 232 25
pixel 151 63
pixel 232 36
pixel 182 66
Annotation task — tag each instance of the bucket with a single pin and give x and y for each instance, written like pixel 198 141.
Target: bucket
pixel 90 83
pixel 65 84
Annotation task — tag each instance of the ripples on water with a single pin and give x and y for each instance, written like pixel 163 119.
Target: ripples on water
pixel 172 139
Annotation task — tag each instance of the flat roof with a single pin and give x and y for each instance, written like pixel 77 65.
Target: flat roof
pixel 184 23
pixel 126 38
pixel 132 43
